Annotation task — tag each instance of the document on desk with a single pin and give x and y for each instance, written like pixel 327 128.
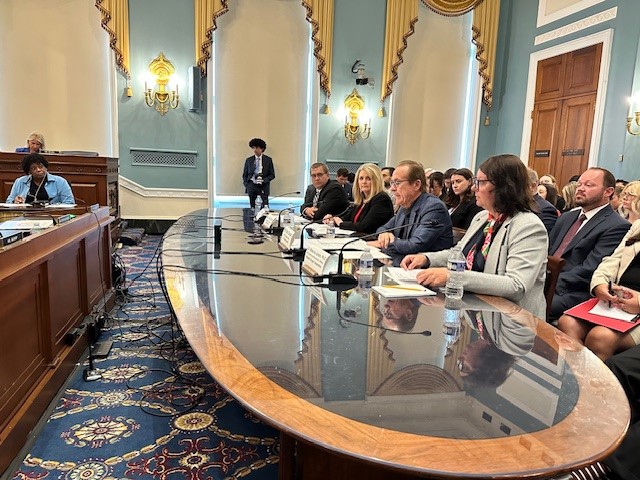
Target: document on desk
pixel 352 252
pixel 27 224
pixel 602 308
pixel 402 276
pixel 402 291
pixel 17 206
pixel 61 205
pixel 321 229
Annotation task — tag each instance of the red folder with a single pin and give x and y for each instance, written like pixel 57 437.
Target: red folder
pixel 581 311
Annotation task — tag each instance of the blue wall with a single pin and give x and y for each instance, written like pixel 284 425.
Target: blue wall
pixel 517 32
pixel 358 33
pixel 168 27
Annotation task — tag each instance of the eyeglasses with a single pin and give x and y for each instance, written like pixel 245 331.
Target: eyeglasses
pixel 396 183
pixel 628 195
pixel 477 182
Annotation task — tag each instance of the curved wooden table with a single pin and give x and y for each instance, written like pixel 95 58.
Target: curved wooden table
pixel 356 401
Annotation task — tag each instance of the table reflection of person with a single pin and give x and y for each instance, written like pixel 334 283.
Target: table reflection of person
pixel 399 314
pixel 35 143
pixel 38 185
pixel 488 361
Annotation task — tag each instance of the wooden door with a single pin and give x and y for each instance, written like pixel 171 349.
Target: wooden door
pixel 563 113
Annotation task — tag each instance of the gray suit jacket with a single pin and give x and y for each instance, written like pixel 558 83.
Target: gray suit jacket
pixel 516 266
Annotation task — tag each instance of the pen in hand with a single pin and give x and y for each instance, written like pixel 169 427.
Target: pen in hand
pixel 610 292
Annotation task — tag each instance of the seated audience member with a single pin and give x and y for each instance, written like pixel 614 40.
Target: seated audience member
pixel 35 143
pixel 421 223
pixel 387 172
pixel 323 195
pixel 446 189
pixel 462 204
pixel 616 199
pixel 559 202
pixel 342 177
pixel 548 192
pixel 436 183
pixel 621 182
pixel 583 237
pixel 625 461
pixel 621 269
pixel 372 207
pixel 505 245
pixel 630 193
pixel 547 212
pixel 37 185
pixel 569 195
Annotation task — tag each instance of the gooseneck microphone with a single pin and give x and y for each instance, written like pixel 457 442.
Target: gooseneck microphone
pixel 343 281
pixel 279 229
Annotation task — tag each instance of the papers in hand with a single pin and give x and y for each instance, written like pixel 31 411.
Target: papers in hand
pixel 602 308
pixel 403 291
pixel 400 275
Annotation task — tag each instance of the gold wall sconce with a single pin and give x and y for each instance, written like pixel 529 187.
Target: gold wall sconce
pixel 162 97
pixel 357 124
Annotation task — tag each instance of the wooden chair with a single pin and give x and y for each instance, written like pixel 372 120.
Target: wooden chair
pixel 554 267
pixel 458 233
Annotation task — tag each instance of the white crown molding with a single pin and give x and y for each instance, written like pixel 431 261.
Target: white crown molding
pixel 577 26
pixel 161 192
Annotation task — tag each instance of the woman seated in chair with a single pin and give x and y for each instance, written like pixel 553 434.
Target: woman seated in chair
pixel 622 271
pixel 505 246
pixel 373 206
pixel 462 203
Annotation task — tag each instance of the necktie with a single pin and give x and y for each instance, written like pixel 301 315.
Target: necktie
pixel 258 169
pixel 569 235
pixel 315 198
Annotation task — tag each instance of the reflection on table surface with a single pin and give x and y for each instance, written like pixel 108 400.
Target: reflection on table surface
pixel 481 368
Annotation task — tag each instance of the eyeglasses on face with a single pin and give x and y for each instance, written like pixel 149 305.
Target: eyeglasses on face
pixel 477 182
pixel 628 195
pixel 396 183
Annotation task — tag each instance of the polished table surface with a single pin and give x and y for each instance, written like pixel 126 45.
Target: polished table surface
pixel 480 389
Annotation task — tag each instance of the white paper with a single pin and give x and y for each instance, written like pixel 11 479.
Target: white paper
pixel 401 275
pixel 26 224
pixel 402 291
pixel 602 308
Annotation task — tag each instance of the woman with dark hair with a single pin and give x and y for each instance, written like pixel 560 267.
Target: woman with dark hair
pixel 38 185
pixel 436 184
pixel 462 203
pixel 549 193
pixel 372 205
pixel 505 246
pixel 446 189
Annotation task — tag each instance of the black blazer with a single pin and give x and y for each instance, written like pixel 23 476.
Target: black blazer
pixel 596 239
pixel 375 213
pixel 332 200
pixel 461 217
pixel 548 212
pixel 268 172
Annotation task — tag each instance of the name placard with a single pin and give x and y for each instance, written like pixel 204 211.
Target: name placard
pixel 319 262
pixel 288 238
pixel 270 219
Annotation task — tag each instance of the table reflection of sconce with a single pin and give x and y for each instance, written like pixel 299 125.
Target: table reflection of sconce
pixel 161 70
pixel 355 114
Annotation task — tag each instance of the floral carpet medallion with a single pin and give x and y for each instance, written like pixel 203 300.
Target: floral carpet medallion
pixel 155 412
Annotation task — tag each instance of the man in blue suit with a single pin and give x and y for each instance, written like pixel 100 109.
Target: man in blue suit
pixel 258 173
pixel 583 237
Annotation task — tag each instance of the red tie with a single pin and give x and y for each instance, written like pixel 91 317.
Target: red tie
pixel 569 235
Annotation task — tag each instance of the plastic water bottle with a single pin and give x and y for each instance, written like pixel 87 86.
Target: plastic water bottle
pixel 288 216
pixel 258 205
pixel 331 229
pixel 365 265
pixel 456 265
pixel 451 326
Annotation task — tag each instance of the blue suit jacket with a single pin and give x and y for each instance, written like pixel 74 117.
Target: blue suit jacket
pixel 548 212
pixel 421 237
pixel 268 172
pixel 596 239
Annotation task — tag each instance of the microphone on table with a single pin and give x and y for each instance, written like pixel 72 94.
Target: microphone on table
pixel 344 281
pixel 298 253
pixel 279 228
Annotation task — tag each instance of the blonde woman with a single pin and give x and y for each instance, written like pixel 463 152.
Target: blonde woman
pixel 630 201
pixel 569 195
pixel 373 207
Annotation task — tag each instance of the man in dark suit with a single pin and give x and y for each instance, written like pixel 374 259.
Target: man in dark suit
pixel 324 195
pixel 342 177
pixel 258 173
pixel 583 236
pixel 547 212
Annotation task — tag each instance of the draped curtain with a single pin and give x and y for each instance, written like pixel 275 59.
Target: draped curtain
pixel 115 21
pixel 206 15
pixel 451 7
pixel 485 37
pixel 320 16
pixel 402 16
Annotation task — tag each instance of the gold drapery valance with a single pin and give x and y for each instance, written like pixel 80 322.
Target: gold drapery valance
pixel 115 21
pixel 206 14
pixel 320 16
pixel 485 37
pixel 402 16
pixel 451 8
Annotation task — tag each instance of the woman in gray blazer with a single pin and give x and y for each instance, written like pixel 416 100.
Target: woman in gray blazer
pixel 506 244
pixel 620 269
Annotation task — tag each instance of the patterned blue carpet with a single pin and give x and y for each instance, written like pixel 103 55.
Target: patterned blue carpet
pixel 155 413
